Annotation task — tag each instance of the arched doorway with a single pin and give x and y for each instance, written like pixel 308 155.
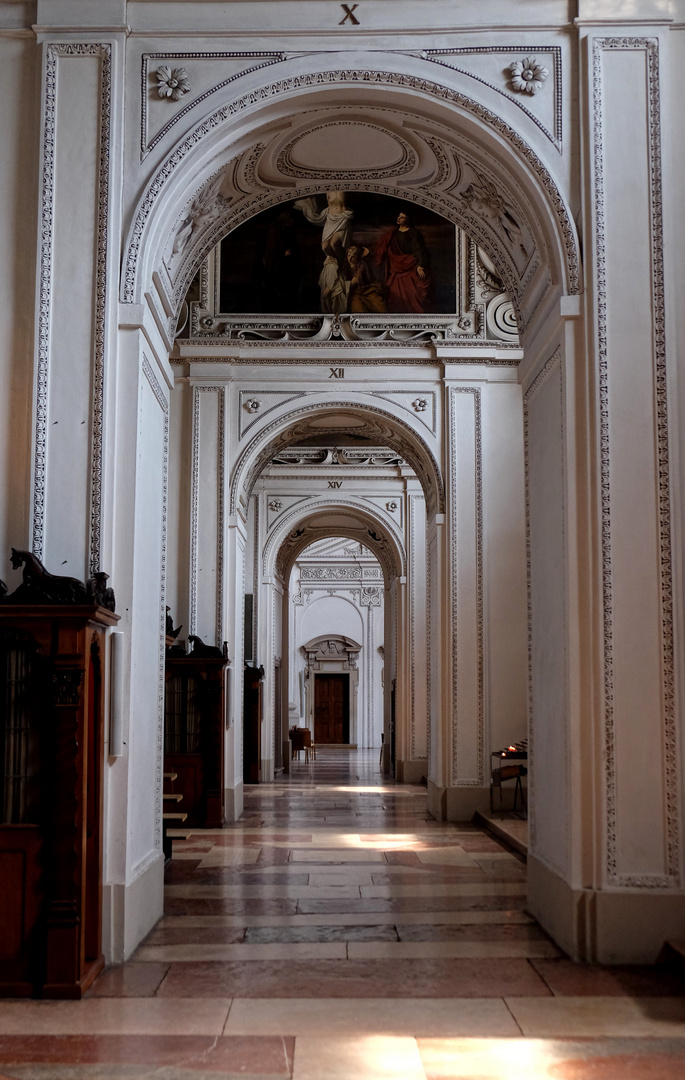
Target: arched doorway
pixel 286 522
pixel 437 136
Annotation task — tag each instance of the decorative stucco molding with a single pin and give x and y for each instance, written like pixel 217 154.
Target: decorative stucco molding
pixel 551 365
pixel 172 83
pixel 554 51
pixel 164 406
pixel 422 460
pixel 347 78
pixel 671 878
pixel 53 53
pixel 266 59
pixel 194 511
pixel 256 408
pixel 286 542
pixel 527 75
pixel 479 779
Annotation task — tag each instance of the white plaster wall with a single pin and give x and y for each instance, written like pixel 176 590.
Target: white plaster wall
pixel 18 192
pixel 331 614
pixel 550 810
pixel 178 521
pixel 146 717
pixel 674 206
pixel 504 537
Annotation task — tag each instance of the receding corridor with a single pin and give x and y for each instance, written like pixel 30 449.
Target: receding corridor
pixel 337 931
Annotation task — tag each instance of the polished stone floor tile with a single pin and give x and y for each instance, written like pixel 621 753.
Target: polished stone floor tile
pixel 320 933
pixel 400 905
pixel 336 931
pixel 129 980
pixel 481 931
pixel 266 891
pixel 410 950
pixel 342 855
pixel 542 1059
pixel 421 978
pixel 566 978
pixel 170 1057
pixel 92 1049
pixel 115 1016
pixel 373 1016
pixel 247 953
pixel 496 917
pixel 233 906
pixel 371 1057
pixel 198 935
pixel 556 1017
pixel 454 888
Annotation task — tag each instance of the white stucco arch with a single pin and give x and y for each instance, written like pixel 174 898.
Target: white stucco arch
pixel 491 125
pixel 388 423
pixel 303 525
pixel 321 519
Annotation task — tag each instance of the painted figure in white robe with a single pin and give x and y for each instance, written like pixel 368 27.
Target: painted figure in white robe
pixel 336 219
pixel 333 287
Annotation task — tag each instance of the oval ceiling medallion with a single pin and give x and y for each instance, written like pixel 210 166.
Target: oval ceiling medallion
pixel 342 421
pixel 346 149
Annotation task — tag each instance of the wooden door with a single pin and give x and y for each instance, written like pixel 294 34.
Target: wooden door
pixel 331 708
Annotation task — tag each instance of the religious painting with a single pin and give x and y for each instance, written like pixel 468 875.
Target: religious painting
pixel 341 253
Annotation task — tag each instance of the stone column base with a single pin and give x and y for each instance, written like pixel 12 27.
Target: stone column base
pixel 130 911
pixel 411 772
pixel 457 803
pixel 604 926
pixel 233 803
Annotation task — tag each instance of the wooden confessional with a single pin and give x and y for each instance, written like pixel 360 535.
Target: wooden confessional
pixel 194 707
pixel 51 759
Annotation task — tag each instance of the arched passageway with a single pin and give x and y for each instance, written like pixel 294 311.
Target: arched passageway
pixel 527 402
pixel 366 505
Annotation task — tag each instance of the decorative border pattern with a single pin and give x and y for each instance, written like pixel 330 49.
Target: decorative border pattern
pixel 164 406
pixel 255 576
pixel 541 377
pixel 344 77
pixel 268 58
pixel 479 781
pixel 556 137
pixel 53 53
pixel 671 878
pixel 431 576
pixel 363 361
pixel 413 589
pixel 221 500
pixel 239 650
pixel 194 509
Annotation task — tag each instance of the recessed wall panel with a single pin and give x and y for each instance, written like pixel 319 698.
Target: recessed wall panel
pixel 638 675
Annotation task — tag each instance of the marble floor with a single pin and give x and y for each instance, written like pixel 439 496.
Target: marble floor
pixel 337 932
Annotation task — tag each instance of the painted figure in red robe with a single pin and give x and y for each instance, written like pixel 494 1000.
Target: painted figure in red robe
pixel 401 253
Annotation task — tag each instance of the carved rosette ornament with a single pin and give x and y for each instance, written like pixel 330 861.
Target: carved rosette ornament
pixel 172 83
pixel 252 405
pixel 275 505
pixel 419 404
pixel 527 75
